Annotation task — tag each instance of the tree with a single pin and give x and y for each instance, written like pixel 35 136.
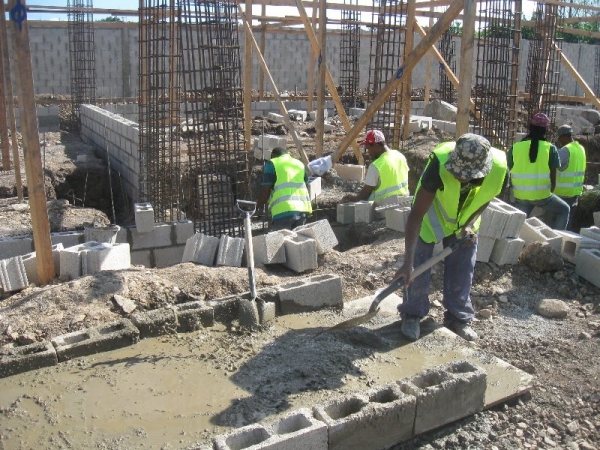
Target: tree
pixel 111 19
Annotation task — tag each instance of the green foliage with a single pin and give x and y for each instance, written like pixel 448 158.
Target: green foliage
pixel 110 19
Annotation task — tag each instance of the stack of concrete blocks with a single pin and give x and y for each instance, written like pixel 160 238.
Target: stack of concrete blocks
pixel 144 217
pixel 300 251
pixel 573 244
pixel 314 187
pixel 265 143
pixel 355 212
pixel 269 249
pixel 391 202
pixel 587 265
pixel 297 115
pixel 321 232
pixel 311 294
pixel 201 249
pixel 312 115
pixel 230 251
pixel 350 172
pixel 30 263
pixel 374 420
pixel 13 276
pixel 93 257
pixel 274 117
pixel 297 430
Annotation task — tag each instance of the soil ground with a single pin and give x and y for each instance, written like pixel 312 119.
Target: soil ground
pixel 563 411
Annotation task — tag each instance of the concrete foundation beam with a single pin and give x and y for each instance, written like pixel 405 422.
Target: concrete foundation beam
pixel 507 251
pixel 321 232
pixel 587 265
pixel 156 322
pixel 27 357
pixel 311 294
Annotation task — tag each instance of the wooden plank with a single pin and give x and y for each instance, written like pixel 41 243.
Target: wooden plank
pixel 466 68
pixel 31 143
pixel 570 5
pixel 408 46
pixel 588 91
pixel 3 124
pixel 514 75
pixel 322 64
pixel 428 70
pixel 312 57
pixel 286 117
pixel 263 41
pixel 248 81
pixel 411 61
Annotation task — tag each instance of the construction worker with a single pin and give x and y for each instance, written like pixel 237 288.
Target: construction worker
pixel 571 173
pixel 386 176
pixel 533 163
pixel 459 181
pixel 284 188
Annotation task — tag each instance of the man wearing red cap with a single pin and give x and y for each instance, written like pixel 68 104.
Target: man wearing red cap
pixel 388 173
pixel 533 163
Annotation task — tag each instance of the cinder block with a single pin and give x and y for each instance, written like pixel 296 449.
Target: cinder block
pixel 67 238
pixel 587 265
pixel 101 234
pixel 278 118
pixel 350 172
pixel 104 256
pixel 311 294
pixel 321 232
pixel 262 154
pixel 13 276
pixel 328 128
pixel 298 115
pixel 296 431
pixel 445 394
pixel 535 230
pixel 573 243
pixel 230 251
pixel 396 219
pixel 142 258
pixel 507 251
pixel 269 248
pixel 184 229
pixel 30 263
pixel 493 222
pixel 300 252
pixel 201 249
pixel 144 217
pixel 155 322
pixel 192 316
pixel 27 357
pixel 312 115
pixel 250 437
pixel 168 256
pixel 345 213
pixel 392 202
pixel 597 218
pixel 364 212
pixel 485 246
pixel 314 187
pixel 15 246
pixel 515 220
pixel 591 233
pixel 159 236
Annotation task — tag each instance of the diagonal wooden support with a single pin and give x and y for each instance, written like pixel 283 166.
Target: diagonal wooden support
pixel 411 61
pixel 263 63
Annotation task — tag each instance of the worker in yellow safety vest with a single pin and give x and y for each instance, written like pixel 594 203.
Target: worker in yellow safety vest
pixel 284 189
pixel 387 175
pixel 458 183
pixel 571 173
pixel 533 163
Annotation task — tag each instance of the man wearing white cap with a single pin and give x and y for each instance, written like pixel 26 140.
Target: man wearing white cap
pixel 571 173
pixel 457 184
pixel 386 176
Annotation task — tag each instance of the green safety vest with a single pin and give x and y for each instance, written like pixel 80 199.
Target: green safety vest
pixel 443 217
pixel 393 175
pixel 569 183
pixel 531 181
pixel 289 192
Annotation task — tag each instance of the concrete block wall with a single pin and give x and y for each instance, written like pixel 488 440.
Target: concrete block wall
pixel 47 116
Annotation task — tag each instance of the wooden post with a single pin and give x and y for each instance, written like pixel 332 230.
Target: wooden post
pixel 466 68
pixel 320 122
pixel 31 142
pixel 3 123
pixel 11 103
pixel 411 61
pixel 248 81
pixel 514 74
pixel 263 41
pixel 428 68
pixel 312 59
pixel 408 46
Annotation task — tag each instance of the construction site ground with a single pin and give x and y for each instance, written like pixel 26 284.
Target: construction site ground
pixel 272 371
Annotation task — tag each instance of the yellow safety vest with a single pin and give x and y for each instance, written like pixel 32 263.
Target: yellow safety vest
pixel 570 182
pixel 531 181
pixel 393 175
pixel 289 192
pixel 443 217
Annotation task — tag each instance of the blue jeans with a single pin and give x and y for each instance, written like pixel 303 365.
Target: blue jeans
pixel 554 207
pixel 289 222
pixel 458 278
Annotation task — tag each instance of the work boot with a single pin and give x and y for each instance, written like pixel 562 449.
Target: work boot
pixel 411 327
pixel 462 329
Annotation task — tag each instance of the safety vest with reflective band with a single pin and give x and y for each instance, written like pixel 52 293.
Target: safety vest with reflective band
pixel 569 183
pixel 393 175
pixel 289 192
pixel 443 217
pixel 531 181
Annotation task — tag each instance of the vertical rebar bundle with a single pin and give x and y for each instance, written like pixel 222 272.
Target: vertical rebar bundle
pixel 543 62
pixel 212 78
pixel 387 52
pixel 493 77
pixel 81 53
pixel 159 109
pixel 350 56
pixel 597 72
pixel 448 51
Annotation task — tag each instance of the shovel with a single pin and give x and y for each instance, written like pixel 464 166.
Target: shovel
pixel 248 208
pixel 397 284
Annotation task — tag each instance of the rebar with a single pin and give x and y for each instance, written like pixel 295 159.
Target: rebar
pixel 350 56
pixel 81 54
pixel 597 72
pixel 448 51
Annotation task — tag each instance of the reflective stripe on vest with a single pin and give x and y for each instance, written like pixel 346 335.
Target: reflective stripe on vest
pixel 289 192
pixel 570 182
pixel 443 217
pixel 531 181
pixel 393 175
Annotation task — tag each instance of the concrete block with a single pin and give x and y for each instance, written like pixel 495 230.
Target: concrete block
pixel 445 394
pixel 328 128
pixel 13 276
pixel 356 112
pixel 184 229
pixel 515 218
pixel 396 219
pixel 269 248
pixel 30 263
pixel 298 115
pixel 535 230
pixel 312 115
pixel 573 243
pixel 168 256
pixel 392 202
pixel 350 172
pixel 27 357
pixel 493 222
pixel 485 246
pixel 597 218
pixel 311 294
pixel 15 246
pixel 345 213
pixel 342 417
pixel 155 322
pixel 67 238
pixel 89 341
pixel 144 217
pixel 591 233
pixel 159 236
pixel 364 212
pixel 300 252
pixel 278 118
pixel 321 232
pixel 201 249
pixel 262 154
pixel 230 251
pixel 142 258
pixel 101 234
pixel 297 430
pixel 314 187
pixel 192 316
pixel 105 256
pixel 507 251
pixel 250 437
pixel 587 265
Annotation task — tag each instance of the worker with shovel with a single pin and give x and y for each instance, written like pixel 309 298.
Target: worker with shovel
pixel 459 181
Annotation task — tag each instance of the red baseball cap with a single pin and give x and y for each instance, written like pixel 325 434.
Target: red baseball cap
pixel 373 137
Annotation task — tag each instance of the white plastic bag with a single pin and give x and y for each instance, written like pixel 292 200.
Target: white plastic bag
pixel 320 166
